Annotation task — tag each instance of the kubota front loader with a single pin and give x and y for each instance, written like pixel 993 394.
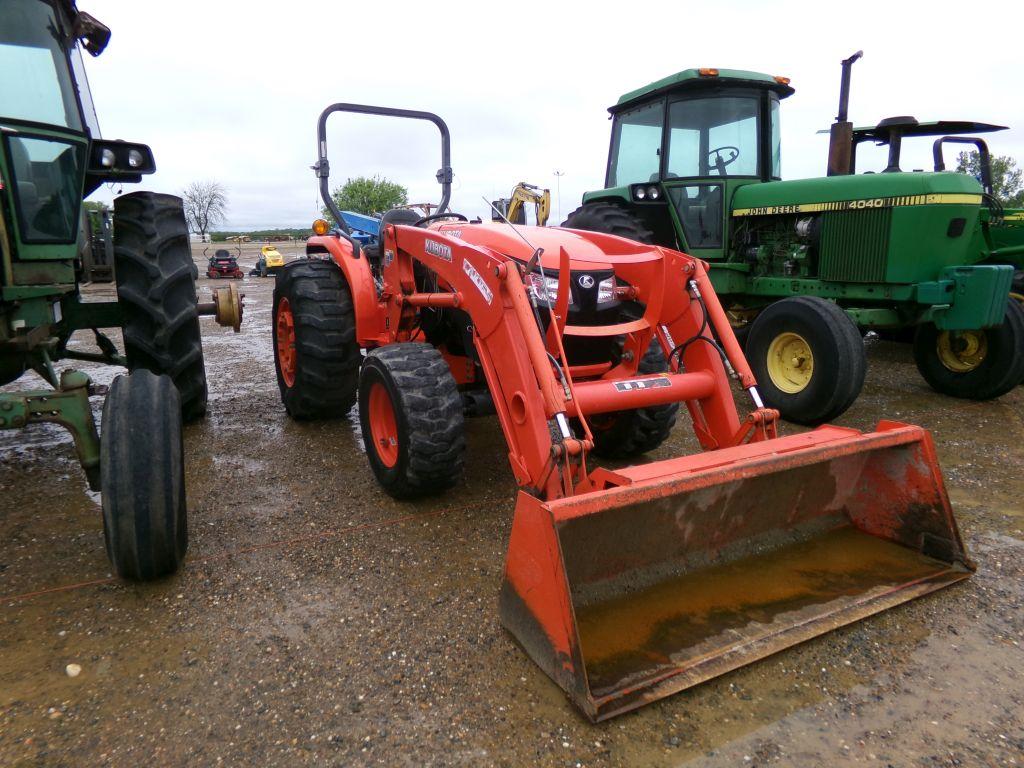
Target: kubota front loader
pixel 623 584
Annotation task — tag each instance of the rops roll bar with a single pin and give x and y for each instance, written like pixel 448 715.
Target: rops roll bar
pixel 985 160
pixel 323 167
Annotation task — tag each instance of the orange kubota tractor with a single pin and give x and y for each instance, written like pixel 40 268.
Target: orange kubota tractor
pixel 623 584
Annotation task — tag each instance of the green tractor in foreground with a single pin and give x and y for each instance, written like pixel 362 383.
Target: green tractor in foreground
pixel 51 158
pixel 806 267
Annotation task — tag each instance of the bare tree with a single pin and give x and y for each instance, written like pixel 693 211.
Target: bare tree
pixel 206 205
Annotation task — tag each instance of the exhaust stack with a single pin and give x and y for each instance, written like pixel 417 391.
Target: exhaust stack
pixel 840 142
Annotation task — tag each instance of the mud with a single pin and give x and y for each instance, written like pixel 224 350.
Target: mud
pixel 317 621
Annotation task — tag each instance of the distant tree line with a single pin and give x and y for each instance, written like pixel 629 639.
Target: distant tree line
pixel 1007 178
pixel 263 234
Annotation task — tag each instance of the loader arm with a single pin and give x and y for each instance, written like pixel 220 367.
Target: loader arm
pixel 524 367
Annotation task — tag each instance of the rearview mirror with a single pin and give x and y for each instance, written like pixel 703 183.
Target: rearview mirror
pixel 94 34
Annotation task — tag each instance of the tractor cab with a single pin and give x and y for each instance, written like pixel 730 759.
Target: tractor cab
pixel 52 154
pixel 687 142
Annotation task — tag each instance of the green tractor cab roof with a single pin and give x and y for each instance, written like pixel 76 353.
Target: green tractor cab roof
pixel 704 78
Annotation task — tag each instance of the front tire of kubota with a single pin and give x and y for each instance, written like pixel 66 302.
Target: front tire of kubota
pixel 156 289
pixel 611 219
pixel 315 351
pixel 142 477
pixel 808 359
pixel 974 365
pixel 624 434
pixel 410 412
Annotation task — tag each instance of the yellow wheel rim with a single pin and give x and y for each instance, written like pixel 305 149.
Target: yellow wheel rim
pixel 790 362
pixel 1018 297
pixel 961 351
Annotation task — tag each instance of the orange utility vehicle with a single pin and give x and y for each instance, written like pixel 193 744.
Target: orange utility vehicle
pixel 624 584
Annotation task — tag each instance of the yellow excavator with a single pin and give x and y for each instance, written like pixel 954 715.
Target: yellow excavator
pixel 513 208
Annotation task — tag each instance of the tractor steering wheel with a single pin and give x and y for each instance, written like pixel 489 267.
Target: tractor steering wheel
pixel 720 163
pixel 435 216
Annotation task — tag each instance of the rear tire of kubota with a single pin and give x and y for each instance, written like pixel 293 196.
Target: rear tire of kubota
pixel 808 358
pixel 315 351
pixel 142 473
pixel 156 289
pixel 625 434
pixel 964 372
pixel 410 411
pixel 611 219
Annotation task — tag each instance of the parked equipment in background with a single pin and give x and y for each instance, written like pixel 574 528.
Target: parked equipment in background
pixel 269 263
pixel 51 157
pixel 97 246
pixel 513 208
pixel 365 229
pixel 624 584
pixel 223 264
pixel 803 267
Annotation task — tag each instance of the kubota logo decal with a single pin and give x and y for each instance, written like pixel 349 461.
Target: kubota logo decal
pixel 586 281
pixel 440 250
pixel 478 281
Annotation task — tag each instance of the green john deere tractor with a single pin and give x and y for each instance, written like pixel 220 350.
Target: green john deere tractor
pixel 51 157
pixel 806 266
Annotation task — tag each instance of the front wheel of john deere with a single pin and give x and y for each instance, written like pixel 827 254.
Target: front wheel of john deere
pixel 974 365
pixel 611 219
pixel 808 358
pixel 142 473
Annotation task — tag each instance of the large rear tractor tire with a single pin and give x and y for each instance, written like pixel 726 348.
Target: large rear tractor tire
pixel 410 411
pixel 315 351
pixel 156 288
pixel 611 219
pixel 142 477
pixel 974 365
pixel 808 358
pixel 624 434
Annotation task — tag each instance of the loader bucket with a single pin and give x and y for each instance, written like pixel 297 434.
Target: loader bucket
pixel 692 567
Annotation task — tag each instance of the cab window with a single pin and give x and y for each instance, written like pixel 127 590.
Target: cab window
pixel 713 136
pixel 636 145
pixel 36 82
pixel 47 178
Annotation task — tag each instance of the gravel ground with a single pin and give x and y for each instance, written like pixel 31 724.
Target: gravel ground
pixel 318 621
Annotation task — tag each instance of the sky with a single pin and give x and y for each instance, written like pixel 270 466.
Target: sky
pixel 231 91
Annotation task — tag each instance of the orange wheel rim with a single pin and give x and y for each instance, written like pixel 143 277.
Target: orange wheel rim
pixel 383 425
pixel 285 328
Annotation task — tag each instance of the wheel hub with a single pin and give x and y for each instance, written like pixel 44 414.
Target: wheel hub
pixel 285 330
pixel 383 425
pixel 790 362
pixel 961 351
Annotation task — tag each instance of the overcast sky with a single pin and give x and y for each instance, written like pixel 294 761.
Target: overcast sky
pixel 231 91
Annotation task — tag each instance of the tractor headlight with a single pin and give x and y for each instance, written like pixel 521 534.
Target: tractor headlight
pixel 640 193
pixel 653 193
pixel 544 289
pixel 135 158
pixel 107 158
pixel 606 290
